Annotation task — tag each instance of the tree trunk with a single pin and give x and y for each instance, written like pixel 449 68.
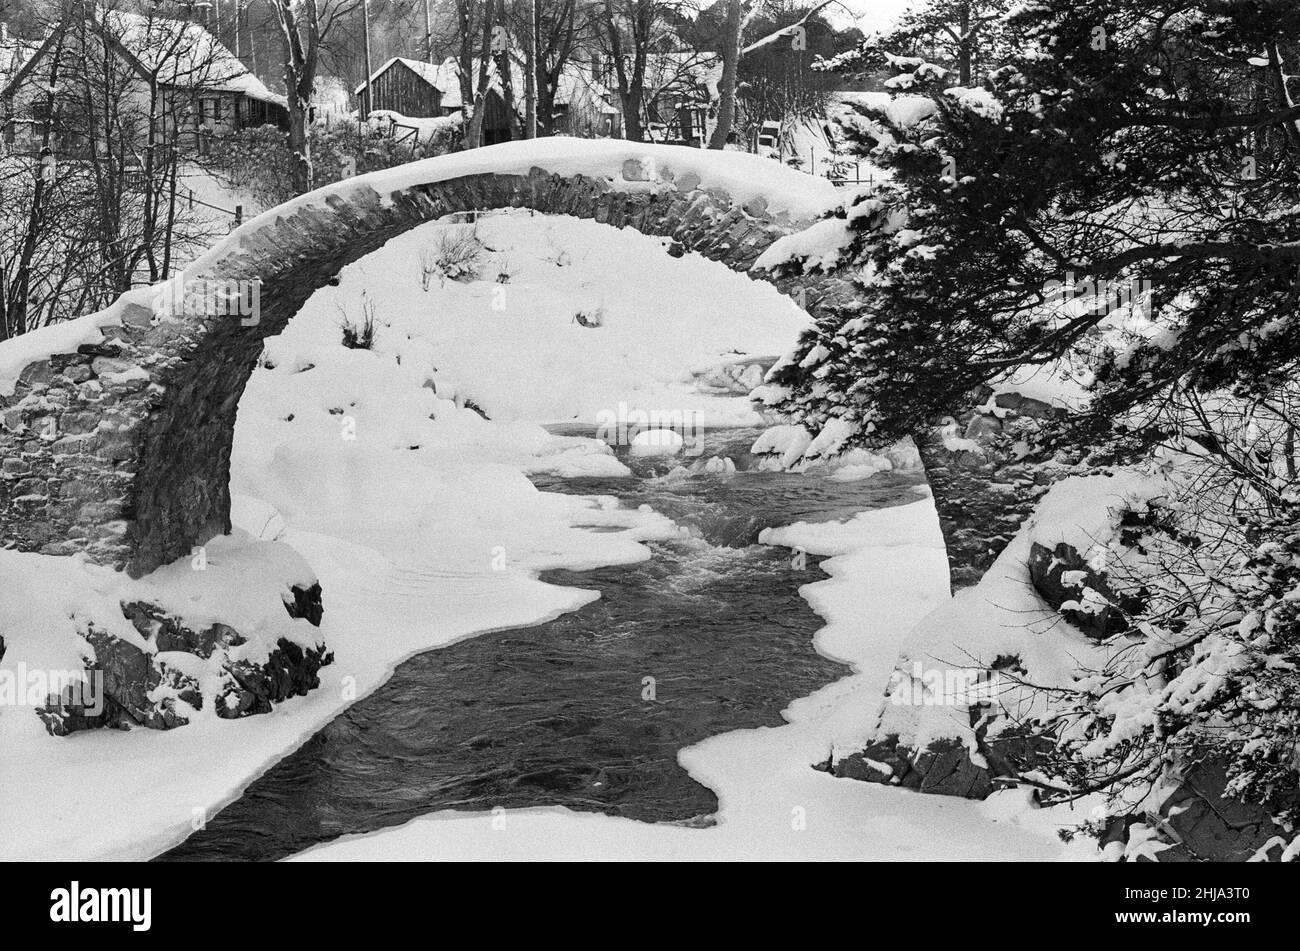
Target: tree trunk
pixel 301 54
pixel 730 70
pixel 530 74
pixel 473 85
pixel 299 143
pixel 634 128
pixel 966 46
pixel 16 320
pixel 630 87
pixel 545 109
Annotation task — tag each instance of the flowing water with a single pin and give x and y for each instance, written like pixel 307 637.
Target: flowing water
pixel 562 713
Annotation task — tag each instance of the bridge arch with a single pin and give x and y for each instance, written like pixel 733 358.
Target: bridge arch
pixel 116 429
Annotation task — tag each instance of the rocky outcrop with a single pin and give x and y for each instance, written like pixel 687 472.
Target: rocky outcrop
pixel 178 669
pixel 1200 822
pixel 983 489
pixel 1061 577
pixel 1196 817
pixel 1210 825
pixel 944 768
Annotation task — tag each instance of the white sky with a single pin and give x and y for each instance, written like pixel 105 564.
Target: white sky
pixel 867 15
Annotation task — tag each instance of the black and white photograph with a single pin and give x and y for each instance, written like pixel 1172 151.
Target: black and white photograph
pixel 693 431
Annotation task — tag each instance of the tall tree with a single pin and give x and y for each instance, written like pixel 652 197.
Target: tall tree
pixel 1121 145
pixel 1123 140
pixel 961 34
pixel 475 21
pixel 117 97
pixel 306 28
pixel 631 32
pixel 732 33
pixel 739 19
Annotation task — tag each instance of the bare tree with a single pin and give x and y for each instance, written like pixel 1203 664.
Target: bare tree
pixel 632 33
pixel 731 39
pixel 560 30
pixel 92 204
pixel 791 23
pixel 306 28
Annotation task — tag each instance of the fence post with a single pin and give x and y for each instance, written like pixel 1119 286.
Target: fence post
pixel 239 215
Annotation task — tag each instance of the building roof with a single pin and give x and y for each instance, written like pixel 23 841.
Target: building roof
pixel 184 54
pixel 442 76
pixel 681 69
pixel 574 79
pixel 180 53
pixel 445 77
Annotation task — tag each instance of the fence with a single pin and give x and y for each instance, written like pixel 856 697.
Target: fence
pixel 838 170
pixel 385 128
pixel 236 213
pixel 133 179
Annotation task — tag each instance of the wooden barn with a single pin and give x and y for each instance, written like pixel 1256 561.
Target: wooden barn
pixel 415 89
pixel 582 105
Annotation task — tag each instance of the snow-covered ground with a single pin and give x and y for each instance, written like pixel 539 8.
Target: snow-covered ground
pixel 418 516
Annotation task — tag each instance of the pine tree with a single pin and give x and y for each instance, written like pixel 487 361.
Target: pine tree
pixel 1122 141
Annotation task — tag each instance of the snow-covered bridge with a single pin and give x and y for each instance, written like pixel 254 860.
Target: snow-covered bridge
pixel 116 429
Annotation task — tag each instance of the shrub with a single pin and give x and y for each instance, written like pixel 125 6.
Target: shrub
pixel 359 335
pixel 258 161
pixel 457 255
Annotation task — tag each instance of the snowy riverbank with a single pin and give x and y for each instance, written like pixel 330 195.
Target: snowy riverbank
pixel 378 467
pixel 888 572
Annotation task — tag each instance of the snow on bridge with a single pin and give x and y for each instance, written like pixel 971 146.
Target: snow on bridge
pixel 116 429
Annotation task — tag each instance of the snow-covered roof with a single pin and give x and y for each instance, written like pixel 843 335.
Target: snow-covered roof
pixel 186 55
pixel 444 76
pixel 575 78
pixel 663 70
pixel 182 54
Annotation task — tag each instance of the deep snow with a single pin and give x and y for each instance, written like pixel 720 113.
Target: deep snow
pixel 417 516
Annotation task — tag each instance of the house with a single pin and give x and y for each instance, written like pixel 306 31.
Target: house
pixel 169 75
pixel 678 93
pixel 585 106
pixel 582 106
pixel 409 87
pixel 14 52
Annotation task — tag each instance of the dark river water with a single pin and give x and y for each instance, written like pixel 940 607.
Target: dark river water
pixel 562 713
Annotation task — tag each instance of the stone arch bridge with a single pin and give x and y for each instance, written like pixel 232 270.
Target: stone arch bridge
pixel 116 429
